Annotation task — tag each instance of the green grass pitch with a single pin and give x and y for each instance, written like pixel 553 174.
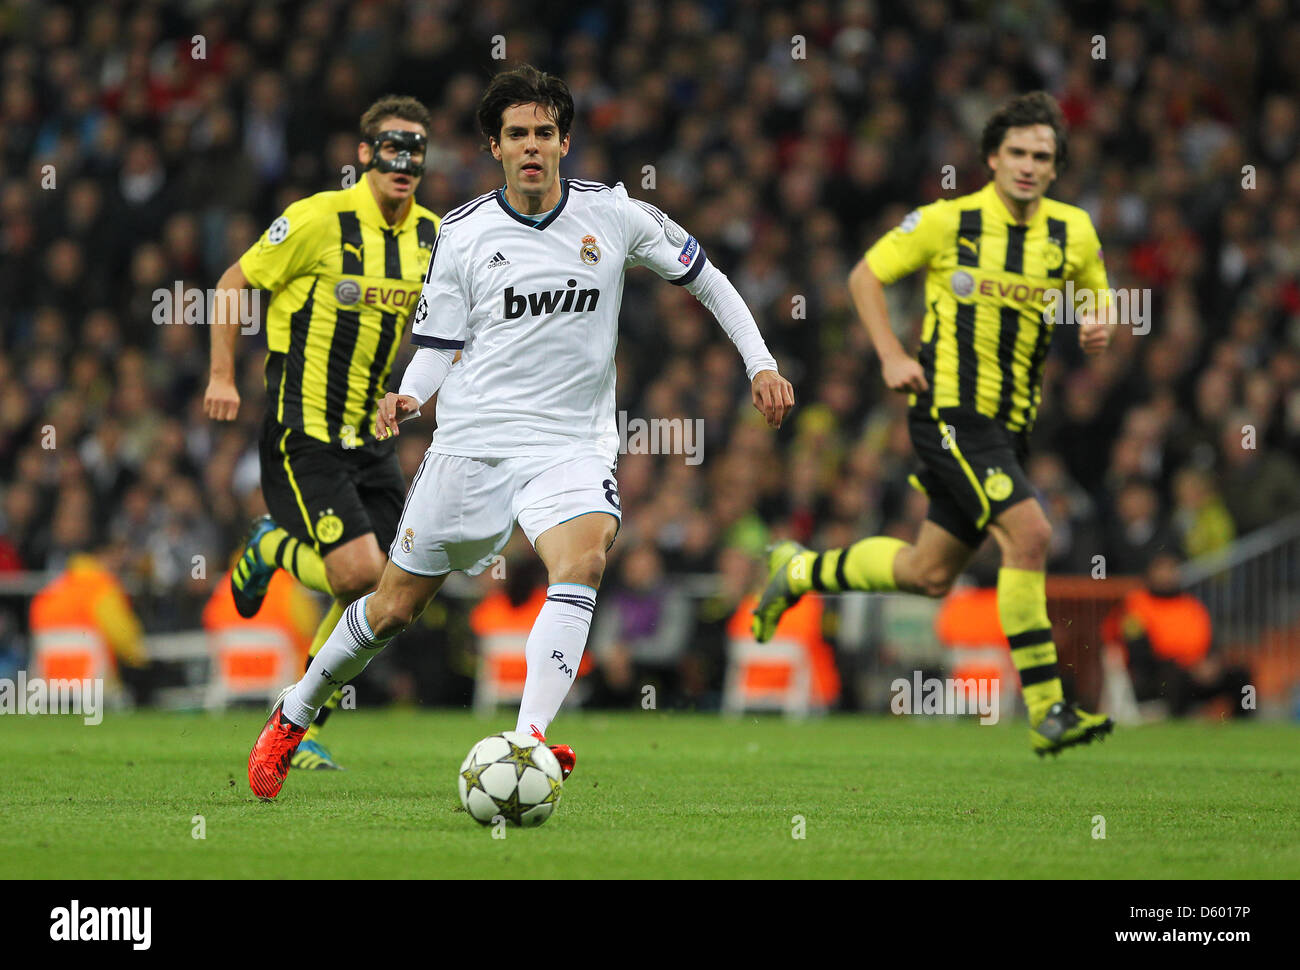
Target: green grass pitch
pixel 655 795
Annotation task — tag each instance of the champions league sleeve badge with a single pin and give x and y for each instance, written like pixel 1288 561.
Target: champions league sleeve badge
pixel 675 233
pixel 278 231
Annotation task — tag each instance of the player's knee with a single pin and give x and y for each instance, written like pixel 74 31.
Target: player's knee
pixel 1031 543
pixel 351 586
pixel 353 579
pixel 389 614
pixel 936 581
pixel 586 567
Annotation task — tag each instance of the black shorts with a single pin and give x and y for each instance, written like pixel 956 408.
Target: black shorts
pixel 971 470
pixel 326 494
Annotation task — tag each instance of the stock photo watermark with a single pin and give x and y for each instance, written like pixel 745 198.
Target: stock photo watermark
pixel 662 436
pixel 1130 306
pixel 195 306
pixel 949 695
pixel 75 923
pixel 37 695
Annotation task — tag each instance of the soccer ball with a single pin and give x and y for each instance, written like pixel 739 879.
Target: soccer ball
pixel 511 776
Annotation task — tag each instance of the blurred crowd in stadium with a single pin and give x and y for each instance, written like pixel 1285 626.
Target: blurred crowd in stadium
pixel 131 164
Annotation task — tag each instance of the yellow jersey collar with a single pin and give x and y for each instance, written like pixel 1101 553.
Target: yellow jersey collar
pixel 368 209
pixel 993 203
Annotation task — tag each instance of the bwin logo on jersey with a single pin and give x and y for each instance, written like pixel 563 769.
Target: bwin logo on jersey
pixel 549 301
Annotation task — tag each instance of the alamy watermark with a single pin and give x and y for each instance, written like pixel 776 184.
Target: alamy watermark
pixel 98 924
pixel 1130 306
pixel 661 436
pixel 36 695
pixel 193 306
pixel 960 695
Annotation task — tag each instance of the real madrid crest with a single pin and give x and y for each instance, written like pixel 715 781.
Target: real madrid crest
pixel 408 541
pixel 589 252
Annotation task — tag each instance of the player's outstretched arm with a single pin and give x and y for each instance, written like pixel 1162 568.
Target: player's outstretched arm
pixel 424 375
pixel 665 247
pixel 393 410
pixel 773 396
pixel 900 371
pixel 221 399
pixel 1096 328
pixel 772 393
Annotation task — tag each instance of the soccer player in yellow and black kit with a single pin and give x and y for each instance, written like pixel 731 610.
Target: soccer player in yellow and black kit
pixel 994 259
pixel 345 269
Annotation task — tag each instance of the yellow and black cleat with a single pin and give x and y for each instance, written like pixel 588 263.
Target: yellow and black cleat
pixel 252 574
pixel 777 595
pixel 314 756
pixel 1066 725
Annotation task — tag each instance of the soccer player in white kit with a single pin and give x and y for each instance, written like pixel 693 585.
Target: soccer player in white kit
pixel 525 282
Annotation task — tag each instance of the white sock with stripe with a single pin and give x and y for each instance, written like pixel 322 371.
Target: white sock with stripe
pixel 554 651
pixel 343 656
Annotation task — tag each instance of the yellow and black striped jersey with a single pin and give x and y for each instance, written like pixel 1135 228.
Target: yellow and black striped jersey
pixel 988 283
pixel 343 285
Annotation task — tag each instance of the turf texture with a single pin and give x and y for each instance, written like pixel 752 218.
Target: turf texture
pixel 655 795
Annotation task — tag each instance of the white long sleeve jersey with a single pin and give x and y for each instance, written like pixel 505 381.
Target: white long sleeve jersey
pixel 533 308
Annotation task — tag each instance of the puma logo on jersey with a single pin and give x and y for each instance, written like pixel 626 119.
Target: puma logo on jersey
pixel 972 246
pixel 549 301
pixel 354 249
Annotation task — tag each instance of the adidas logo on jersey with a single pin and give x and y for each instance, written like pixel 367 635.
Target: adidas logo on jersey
pixel 497 260
pixel 549 301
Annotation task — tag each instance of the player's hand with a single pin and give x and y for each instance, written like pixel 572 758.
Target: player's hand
pixel 1094 337
pixel 221 400
pixel 903 374
pixel 394 409
pixel 773 396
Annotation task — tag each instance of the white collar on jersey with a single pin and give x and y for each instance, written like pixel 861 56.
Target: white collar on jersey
pixel 555 213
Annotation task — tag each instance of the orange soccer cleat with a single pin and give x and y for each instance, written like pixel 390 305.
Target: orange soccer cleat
pixel 563 754
pixel 268 762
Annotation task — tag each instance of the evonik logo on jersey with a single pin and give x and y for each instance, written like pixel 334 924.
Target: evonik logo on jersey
pixel 349 292
pixel 569 300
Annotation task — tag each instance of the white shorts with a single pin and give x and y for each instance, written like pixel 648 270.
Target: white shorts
pixel 460 512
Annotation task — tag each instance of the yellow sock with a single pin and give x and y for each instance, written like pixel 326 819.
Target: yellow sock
pixel 867 565
pixel 297 558
pixel 1022 608
pixel 323 632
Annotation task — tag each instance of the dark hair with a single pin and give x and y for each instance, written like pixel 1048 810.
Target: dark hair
pixel 393 106
pixel 524 85
pixel 1034 108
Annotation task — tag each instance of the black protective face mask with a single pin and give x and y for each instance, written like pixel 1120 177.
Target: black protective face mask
pixel 405 142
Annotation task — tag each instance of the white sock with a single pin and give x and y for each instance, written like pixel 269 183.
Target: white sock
pixel 343 656
pixel 554 651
